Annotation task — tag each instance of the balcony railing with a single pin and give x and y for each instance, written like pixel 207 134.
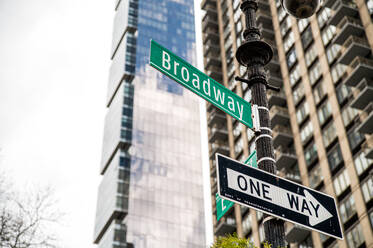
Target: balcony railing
pixel 209 21
pixel 349 41
pixel 344 2
pixel 278 110
pixel 285 157
pixel 349 20
pixel 346 27
pixel 366 119
pixel 219 148
pixel 359 68
pixel 282 135
pixel 276 98
pixel 368 147
pixel 205 3
pixel 293 176
pixel 360 60
pixel 281 129
pixel 363 94
pixel 225 226
pixel 353 47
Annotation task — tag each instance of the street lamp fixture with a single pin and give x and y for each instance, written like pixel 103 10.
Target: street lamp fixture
pixel 301 8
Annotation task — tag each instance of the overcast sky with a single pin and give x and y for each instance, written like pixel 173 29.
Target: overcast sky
pixel 54 61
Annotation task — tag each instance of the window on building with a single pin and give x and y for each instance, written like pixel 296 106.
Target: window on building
pixel 315 73
pixel 355 139
pixel 246 224
pixel 355 237
pixel 370 8
pixel 335 157
pixel 252 147
pixel 323 16
pixel 338 71
pixel 329 134
pixel 298 93
pixel 243 70
pixel 229 57
pixel 347 208
pixel 323 237
pixel 238 40
pixel 236 3
pixel 247 95
pixel 306 132
pixel 324 112
pixel 307 37
pixel 250 134
pixel 328 34
pixel 285 26
pixel 237 129
pixel 261 231
pixel 343 92
pixel 294 75
pixel 289 41
pixel 310 55
pixel 238 27
pixel 341 182
pixel 333 52
pixel 302 112
pixel 302 24
pixel 281 14
pixel 362 163
pixel 349 114
pixel 291 58
pixel 310 153
pixel 259 215
pixel 316 177
pixel 319 92
pixel 367 189
pixel 237 16
pixel 238 146
pixel 244 209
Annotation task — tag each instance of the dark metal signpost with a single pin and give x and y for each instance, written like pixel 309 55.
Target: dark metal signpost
pixel 276 196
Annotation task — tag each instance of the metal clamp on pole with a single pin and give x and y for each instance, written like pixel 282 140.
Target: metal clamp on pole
pixel 255 117
pixel 250 83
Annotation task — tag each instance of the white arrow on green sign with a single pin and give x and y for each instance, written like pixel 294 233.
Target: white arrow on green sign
pixel 223 205
pixel 193 79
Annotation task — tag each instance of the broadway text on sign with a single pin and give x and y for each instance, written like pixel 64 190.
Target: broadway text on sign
pixel 199 83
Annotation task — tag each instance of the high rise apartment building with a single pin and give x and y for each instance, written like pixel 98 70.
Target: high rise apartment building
pixel 322 119
pixel 151 191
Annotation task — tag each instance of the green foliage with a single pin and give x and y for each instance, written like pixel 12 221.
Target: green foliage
pixel 232 241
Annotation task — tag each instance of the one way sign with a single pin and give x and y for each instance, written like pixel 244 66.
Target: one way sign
pixel 277 196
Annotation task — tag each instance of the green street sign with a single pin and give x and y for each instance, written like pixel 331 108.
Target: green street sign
pixel 222 205
pixel 193 79
pixel 251 160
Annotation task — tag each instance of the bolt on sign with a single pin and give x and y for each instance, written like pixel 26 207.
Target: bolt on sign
pixel 199 83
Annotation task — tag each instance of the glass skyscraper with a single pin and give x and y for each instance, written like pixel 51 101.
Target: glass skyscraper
pixel 151 191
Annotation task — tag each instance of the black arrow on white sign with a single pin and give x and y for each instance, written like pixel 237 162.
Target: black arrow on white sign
pixel 276 196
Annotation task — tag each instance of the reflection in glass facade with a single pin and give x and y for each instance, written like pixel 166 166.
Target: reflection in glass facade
pixel 151 192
